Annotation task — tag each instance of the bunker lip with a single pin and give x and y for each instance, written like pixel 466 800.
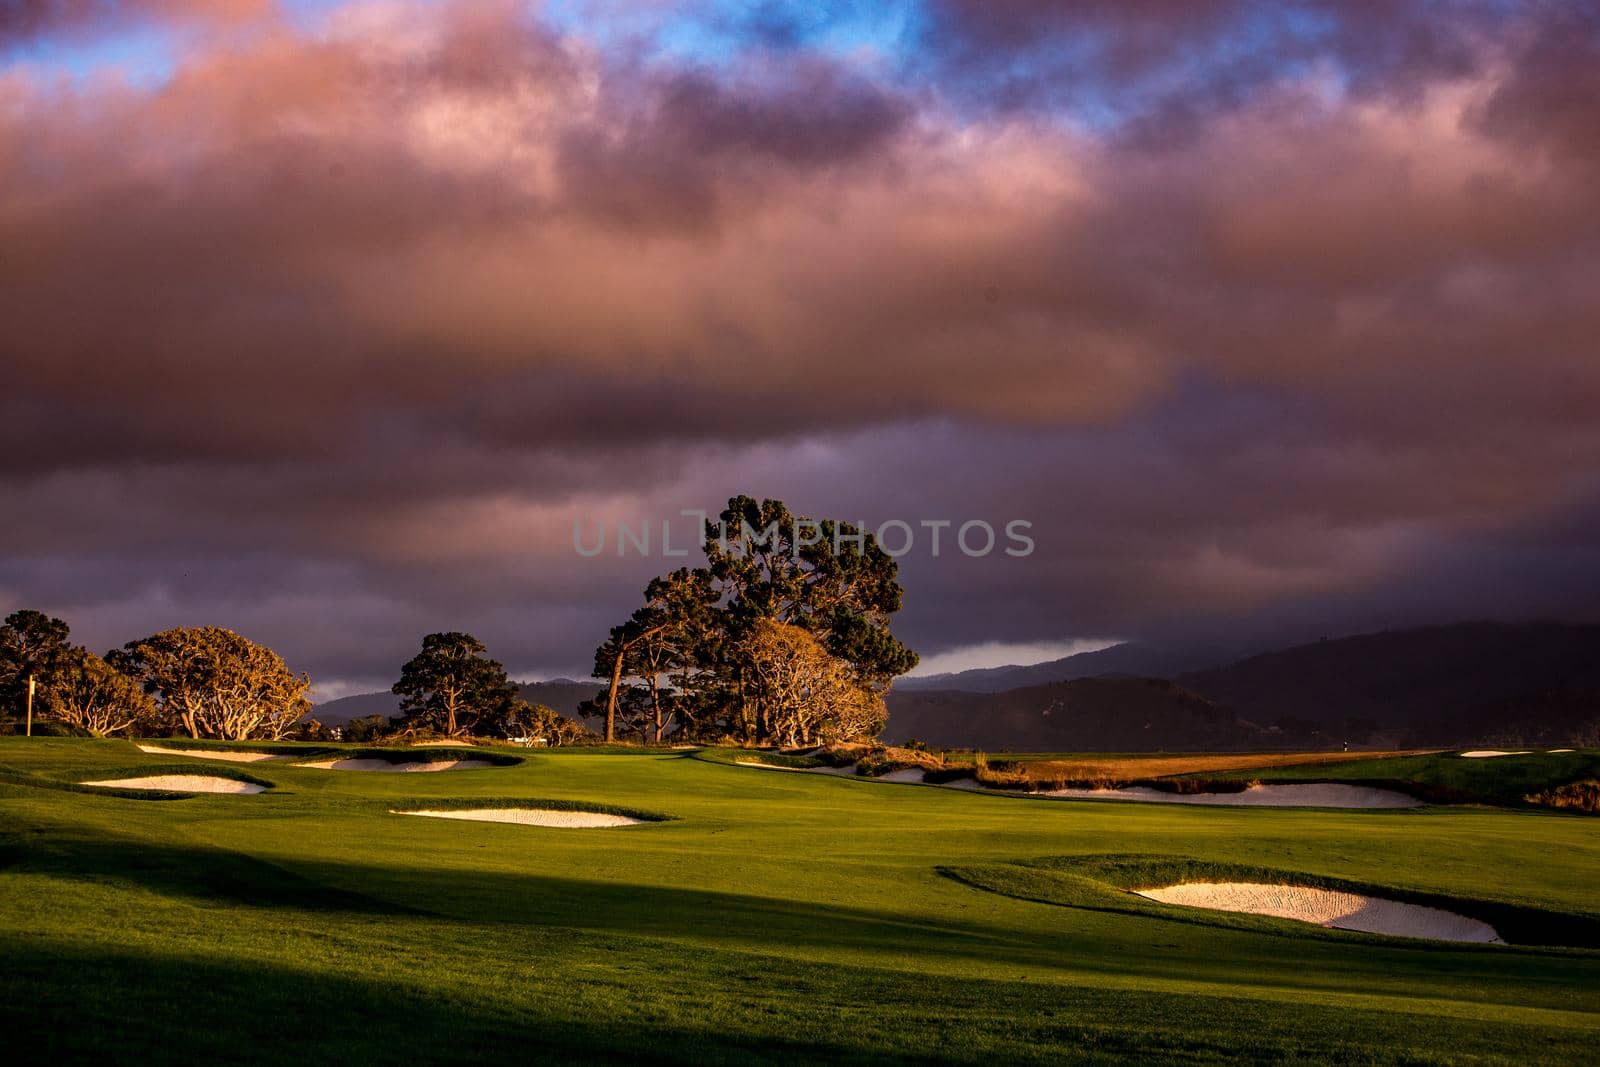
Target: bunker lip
pixel 848 770
pixel 181 783
pixel 1279 795
pixel 387 766
pixel 212 753
pixel 551 817
pixel 1335 909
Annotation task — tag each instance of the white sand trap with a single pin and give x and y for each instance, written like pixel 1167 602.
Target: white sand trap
pixel 904 774
pixel 1559 750
pixel 1297 795
pixel 595 820
pixel 183 783
pixel 1328 907
pixel 207 753
pixel 384 766
pixel 847 770
pixel 440 744
pixel 1490 753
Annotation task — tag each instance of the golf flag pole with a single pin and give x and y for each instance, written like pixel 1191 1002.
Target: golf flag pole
pixel 32 682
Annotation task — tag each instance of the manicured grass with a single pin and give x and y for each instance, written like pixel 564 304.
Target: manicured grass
pixel 1446 776
pixel 790 917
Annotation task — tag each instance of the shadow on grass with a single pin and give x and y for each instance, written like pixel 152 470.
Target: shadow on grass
pixel 76 1004
pixel 564 969
pixel 219 876
pixel 194 872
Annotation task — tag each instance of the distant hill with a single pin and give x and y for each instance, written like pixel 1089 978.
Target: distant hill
pixel 338 712
pixel 1085 714
pixel 1466 684
pixel 1433 685
pixel 1130 659
pixel 559 694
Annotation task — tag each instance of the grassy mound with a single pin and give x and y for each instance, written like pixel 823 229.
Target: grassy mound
pixel 1512 781
pixel 65 781
pixel 414 755
pixel 548 804
pixel 1104 882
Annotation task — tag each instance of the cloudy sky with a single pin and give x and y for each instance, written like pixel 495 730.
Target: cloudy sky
pixel 326 321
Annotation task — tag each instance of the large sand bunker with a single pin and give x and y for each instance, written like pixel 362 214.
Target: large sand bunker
pixel 534 817
pixel 1490 753
pixel 399 768
pixel 209 753
pixel 183 783
pixel 1296 795
pixel 1334 908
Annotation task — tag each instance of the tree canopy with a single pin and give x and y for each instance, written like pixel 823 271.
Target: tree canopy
pixel 32 645
pixel 686 659
pixel 90 694
pixel 453 687
pixel 216 683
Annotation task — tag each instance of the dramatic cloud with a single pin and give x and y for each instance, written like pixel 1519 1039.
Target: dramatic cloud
pixel 334 331
pixel 28 19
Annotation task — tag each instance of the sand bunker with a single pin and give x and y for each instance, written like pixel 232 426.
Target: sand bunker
pixel 533 817
pixel 904 774
pixel 848 769
pixel 1490 753
pixel 1333 908
pixel 1307 795
pixel 202 753
pixel 183 783
pixel 1560 750
pixel 383 765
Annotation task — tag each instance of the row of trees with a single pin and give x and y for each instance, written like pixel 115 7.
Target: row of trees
pixel 208 682
pixel 783 636
pixel 203 681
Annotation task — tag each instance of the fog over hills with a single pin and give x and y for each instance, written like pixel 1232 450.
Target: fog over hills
pixel 1135 659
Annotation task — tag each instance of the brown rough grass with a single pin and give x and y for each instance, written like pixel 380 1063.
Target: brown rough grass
pixel 1114 769
pixel 1576 796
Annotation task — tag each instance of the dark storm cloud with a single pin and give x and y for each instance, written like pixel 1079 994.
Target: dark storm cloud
pixel 27 19
pixel 669 155
pixel 332 336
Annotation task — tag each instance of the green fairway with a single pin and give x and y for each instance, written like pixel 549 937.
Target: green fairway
pixel 770 916
pixel 1507 779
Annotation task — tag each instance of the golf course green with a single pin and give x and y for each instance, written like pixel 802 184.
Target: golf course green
pixel 751 915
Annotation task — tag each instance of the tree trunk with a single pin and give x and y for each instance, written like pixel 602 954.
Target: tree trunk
pixel 611 698
pixel 655 702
